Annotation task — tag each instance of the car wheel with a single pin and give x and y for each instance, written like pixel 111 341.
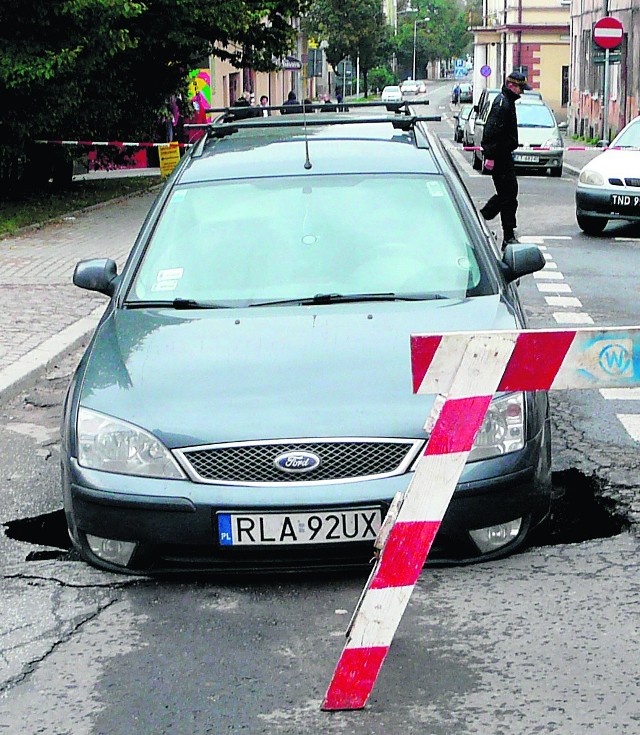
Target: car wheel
pixel 477 163
pixel 556 172
pixel 591 225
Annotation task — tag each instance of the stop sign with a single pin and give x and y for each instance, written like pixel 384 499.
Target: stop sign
pixel 607 32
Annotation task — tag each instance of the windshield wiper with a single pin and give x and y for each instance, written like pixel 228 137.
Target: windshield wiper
pixel 175 304
pixel 338 298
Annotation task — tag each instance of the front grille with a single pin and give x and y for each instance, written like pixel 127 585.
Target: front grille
pixel 632 182
pixel 253 462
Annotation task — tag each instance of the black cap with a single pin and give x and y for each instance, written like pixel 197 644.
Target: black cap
pixel 517 77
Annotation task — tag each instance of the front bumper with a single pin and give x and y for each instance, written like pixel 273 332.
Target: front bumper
pixel 597 202
pixel 174 522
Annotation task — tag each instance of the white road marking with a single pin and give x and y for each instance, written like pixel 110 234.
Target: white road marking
pixel 572 317
pixel 627 239
pixel 550 265
pixel 551 275
pixel 631 423
pixel 547 256
pixel 534 238
pixel 554 287
pixel 620 394
pixel 563 301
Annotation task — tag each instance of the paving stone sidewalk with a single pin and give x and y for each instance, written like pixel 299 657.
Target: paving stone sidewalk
pixel 41 312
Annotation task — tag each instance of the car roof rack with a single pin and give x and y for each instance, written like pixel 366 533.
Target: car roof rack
pixel 227 124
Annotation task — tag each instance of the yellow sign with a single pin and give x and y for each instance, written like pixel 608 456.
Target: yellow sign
pixel 169 156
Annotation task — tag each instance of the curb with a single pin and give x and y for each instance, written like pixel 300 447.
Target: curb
pixel 37 361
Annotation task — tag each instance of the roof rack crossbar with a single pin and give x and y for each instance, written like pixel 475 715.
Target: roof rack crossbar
pixel 222 129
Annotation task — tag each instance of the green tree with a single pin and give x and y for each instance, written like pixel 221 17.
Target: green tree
pixel 99 69
pixel 354 28
pixel 444 36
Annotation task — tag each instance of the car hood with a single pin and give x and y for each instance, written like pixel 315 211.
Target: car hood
pixel 616 163
pixel 201 377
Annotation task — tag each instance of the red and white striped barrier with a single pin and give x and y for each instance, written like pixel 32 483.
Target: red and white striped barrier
pixel 566 148
pixel 114 143
pixel 464 371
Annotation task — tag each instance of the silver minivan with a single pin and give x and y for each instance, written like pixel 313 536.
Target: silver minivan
pixel 541 145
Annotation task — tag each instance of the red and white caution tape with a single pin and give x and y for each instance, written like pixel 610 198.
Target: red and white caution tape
pixel 566 148
pixel 464 371
pixel 114 143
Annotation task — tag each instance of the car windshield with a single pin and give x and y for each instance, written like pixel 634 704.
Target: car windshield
pixel 535 116
pixel 629 137
pixel 253 241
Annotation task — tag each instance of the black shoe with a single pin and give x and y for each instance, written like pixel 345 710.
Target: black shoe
pixel 510 240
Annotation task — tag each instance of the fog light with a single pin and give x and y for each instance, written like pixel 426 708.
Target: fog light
pixel 494 537
pixel 112 550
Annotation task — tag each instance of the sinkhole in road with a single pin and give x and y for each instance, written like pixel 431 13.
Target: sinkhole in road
pixel 583 510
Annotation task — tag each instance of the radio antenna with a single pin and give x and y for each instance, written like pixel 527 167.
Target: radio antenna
pixel 307 163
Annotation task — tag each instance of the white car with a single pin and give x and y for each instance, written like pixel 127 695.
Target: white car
pixel 609 185
pixel 410 87
pixel 392 94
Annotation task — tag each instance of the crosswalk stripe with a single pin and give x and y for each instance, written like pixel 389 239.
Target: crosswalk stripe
pixel 572 317
pixel 554 287
pixel 620 394
pixel 563 301
pixel 631 423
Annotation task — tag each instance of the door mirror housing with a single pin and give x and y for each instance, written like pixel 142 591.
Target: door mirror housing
pixel 521 260
pixel 97 274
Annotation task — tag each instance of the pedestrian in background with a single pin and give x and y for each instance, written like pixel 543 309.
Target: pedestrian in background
pixel 499 140
pixel 292 103
pixel 455 94
pixel 264 102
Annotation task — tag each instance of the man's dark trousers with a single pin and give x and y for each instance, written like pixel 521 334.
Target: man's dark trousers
pixel 505 200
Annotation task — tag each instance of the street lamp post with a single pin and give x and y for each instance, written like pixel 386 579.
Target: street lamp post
pixel 415 37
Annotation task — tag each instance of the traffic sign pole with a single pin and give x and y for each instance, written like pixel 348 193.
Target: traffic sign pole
pixel 605 101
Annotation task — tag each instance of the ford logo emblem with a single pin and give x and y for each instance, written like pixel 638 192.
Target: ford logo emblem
pixel 297 462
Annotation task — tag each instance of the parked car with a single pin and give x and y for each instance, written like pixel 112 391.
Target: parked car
pixel 541 146
pixel 469 126
pixel 391 93
pixel 609 185
pixel 460 121
pixel 245 402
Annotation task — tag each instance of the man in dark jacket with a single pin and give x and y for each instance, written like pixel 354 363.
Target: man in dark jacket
pixel 499 140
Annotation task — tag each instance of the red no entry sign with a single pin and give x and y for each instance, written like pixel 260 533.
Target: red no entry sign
pixel 607 32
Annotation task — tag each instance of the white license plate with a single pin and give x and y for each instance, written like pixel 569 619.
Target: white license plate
pixel 316 527
pixel 526 159
pixel 625 200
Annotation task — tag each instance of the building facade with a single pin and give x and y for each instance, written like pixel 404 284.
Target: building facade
pixel 530 35
pixel 587 106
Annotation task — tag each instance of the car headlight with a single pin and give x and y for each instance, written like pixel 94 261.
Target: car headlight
pixel 112 445
pixel 502 430
pixel 593 178
pixel 553 143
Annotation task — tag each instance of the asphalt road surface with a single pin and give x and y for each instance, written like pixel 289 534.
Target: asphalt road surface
pixel 543 642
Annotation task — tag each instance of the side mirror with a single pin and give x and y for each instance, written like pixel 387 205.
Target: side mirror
pixel 97 274
pixel 456 116
pixel 563 126
pixel 521 260
pixel 475 109
pixel 602 144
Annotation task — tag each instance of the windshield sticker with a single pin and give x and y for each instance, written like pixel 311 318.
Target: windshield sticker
pixel 165 286
pixel 435 188
pixel 170 274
